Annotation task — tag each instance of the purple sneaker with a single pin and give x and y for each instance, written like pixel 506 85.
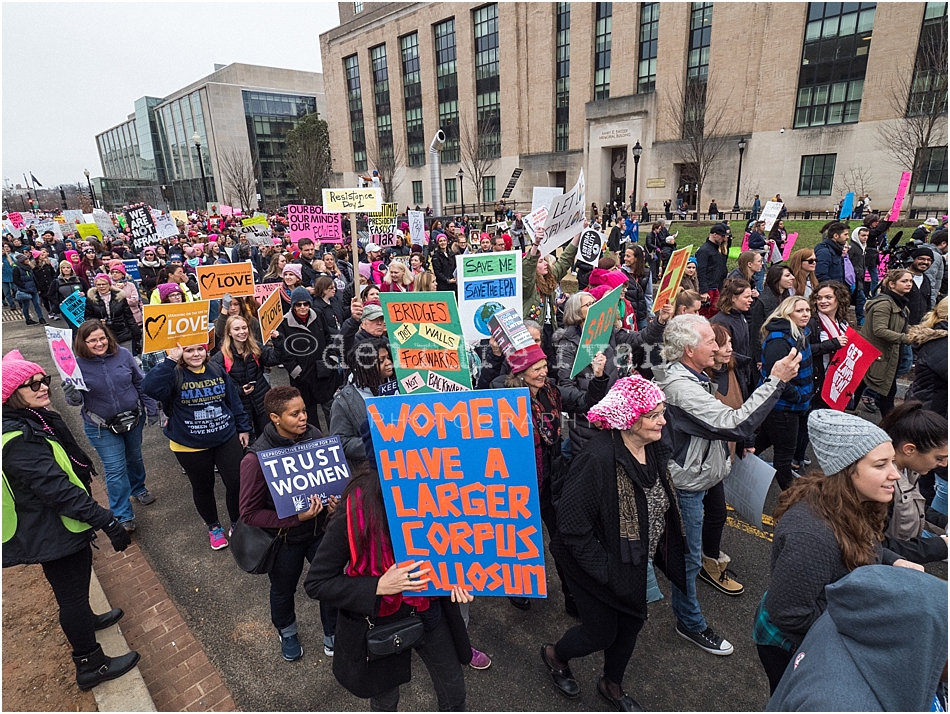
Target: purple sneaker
pixel 480 660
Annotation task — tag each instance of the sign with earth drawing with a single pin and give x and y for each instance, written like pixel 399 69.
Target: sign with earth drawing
pixel 488 283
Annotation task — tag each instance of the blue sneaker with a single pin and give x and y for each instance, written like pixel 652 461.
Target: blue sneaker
pixel 290 648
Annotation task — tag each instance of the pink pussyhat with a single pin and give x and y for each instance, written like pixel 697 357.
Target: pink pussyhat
pixel 16 371
pixel 628 400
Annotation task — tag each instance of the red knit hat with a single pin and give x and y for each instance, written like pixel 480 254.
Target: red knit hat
pixel 520 360
pixel 16 371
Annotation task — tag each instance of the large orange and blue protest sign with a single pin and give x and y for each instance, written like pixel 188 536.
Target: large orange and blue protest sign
pixel 460 485
pixel 672 277
pixel 428 350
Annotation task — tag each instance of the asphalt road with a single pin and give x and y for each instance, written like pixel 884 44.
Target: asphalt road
pixel 228 612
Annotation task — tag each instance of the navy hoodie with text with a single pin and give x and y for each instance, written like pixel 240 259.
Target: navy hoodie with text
pixel 204 412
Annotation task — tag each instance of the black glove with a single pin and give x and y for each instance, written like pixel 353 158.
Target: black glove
pixel 118 535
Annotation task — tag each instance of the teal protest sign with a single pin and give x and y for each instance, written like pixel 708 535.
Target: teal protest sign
pixel 598 327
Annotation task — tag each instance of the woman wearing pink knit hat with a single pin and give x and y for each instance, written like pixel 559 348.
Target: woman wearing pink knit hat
pixel 49 517
pixel 614 510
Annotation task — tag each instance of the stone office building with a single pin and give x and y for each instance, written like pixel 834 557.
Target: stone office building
pixel 242 114
pixel 553 88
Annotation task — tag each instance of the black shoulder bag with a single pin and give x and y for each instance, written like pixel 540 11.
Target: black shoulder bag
pixel 254 549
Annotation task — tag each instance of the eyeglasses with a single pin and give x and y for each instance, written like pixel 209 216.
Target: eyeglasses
pixel 96 340
pixel 810 260
pixel 301 304
pixel 36 384
pixel 654 416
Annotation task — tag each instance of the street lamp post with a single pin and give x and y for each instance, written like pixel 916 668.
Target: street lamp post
pixel 92 193
pixel 742 145
pixel 196 140
pixel 637 151
pixel 460 176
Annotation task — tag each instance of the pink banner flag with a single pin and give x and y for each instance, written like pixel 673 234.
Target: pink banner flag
pixel 789 244
pixel 745 242
pixel 899 198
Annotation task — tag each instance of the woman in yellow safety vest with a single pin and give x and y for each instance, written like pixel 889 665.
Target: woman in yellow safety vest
pixel 49 517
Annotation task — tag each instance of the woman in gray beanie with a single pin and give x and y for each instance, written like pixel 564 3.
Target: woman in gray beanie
pixel 828 523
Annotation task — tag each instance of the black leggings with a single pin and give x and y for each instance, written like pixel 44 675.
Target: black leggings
pixel 69 577
pixel 199 465
pixel 602 629
pixel 714 520
pixel 774 661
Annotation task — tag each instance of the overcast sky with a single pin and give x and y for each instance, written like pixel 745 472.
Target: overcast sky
pixel 73 70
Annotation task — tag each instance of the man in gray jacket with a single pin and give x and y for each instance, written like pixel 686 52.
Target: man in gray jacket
pixel 700 427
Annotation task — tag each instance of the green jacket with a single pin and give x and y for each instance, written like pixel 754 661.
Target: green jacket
pixel 534 302
pixel 884 327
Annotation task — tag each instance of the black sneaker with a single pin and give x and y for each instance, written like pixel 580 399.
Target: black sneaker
pixel 706 640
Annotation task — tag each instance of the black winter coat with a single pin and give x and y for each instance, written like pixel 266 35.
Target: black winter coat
pixel 710 267
pixel 244 370
pixel 44 275
pixel 42 490
pixel 443 265
pixel 305 353
pixel 61 289
pixel 117 314
pixel 930 374
pixel 587 542
pixel 738 327
pixel 819 348
pixel 356 598
pixel 918 301
pixel 635 294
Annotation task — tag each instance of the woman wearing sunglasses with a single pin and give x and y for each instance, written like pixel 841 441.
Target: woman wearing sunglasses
pixel 802 264
pixel 49 517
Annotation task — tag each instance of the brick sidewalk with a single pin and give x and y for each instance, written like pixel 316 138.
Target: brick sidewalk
pixel 177 672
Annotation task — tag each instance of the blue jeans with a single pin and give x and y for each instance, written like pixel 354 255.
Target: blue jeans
pixel 859 300
pixel 284 578
pixel 121 456
pixel 25 307
pixel 685 605
pixel 907 360
pixel 940 496
pixel 9 290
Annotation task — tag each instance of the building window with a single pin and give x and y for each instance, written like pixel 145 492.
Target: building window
pixel 354 97
pixel 447 88
pixel 417 193
pixel 487 82
pixel 357 8
pixel 412 99
pixel 817 175
pixel 269 117
pixel 700 37
pixel 451 193
pixel 928 92
pixel 562 78
pixel 384 119
pixel 649 31
pixel 932 167
pixel 604 15
pixel 834 62
pixel 488 188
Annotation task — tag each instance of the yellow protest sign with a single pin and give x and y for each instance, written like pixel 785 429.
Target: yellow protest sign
pixel 234 279
pixel 255 221
pixel 170 324
pixel 180 216
pixel 271 312
pixel 351 200
pixel 405 332
pixel 672 276
pixel 441 337
pixel 89 230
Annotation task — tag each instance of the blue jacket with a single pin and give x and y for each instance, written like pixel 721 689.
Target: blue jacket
pixel 830 262
pixel 756 241
pixel 204 410
pixel 778 343
pixel 8 270
pixel 114 385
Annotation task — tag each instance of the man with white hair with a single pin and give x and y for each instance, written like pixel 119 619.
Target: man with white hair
pixel 699 429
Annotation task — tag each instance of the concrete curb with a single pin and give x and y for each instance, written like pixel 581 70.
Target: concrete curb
pixel 128 693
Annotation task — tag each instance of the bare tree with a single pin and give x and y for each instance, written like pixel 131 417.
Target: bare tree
pixel 920 102
pixel 749 189
pixel 386 157
pixel 700 111
pixel 238 174
pixel 307 158
pixel 857 180
pixel 478 149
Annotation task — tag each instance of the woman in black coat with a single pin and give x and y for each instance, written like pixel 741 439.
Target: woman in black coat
pixel 103 302
pixel 443 265
pixel 615 509
pixel 62 287
pixel 735 301
pixel 49 516
pixel 245 360
pixel 355 571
